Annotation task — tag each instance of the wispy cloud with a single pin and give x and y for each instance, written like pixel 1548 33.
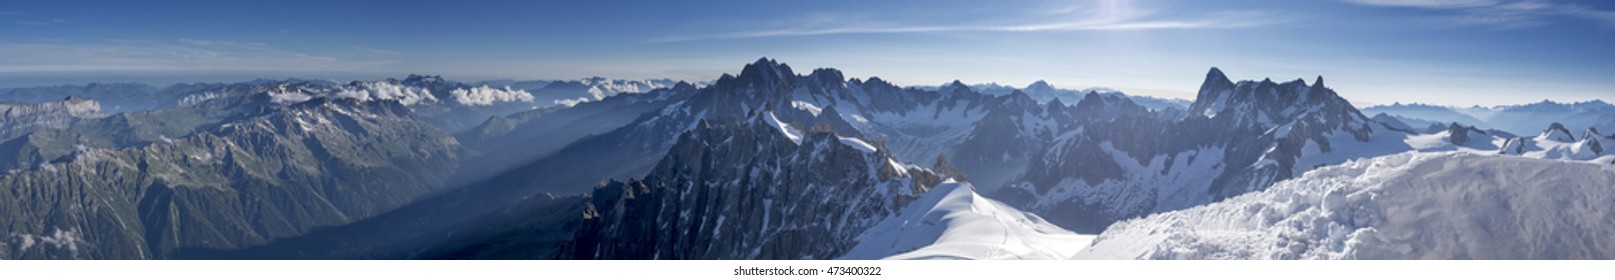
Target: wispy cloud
pixel 41 22
pixel 10 13
pixel 1058 19
pixel 255 46
pixel 376 51
pixel 1433 4
pixel 178 55
pixel 1501 14
pixel 1212 21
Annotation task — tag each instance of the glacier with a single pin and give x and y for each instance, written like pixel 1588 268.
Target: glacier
pixel 1414 205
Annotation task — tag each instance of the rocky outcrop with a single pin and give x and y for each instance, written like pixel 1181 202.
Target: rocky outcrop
pixel 748 190
pixel 18 118
pixel 1556 132
pixel 280 173
pixel 1459 134
pixel 1239 137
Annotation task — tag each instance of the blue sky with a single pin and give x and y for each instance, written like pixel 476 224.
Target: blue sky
pixel 1458 52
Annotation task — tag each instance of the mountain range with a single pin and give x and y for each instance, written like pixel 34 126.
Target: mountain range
pixel 1042 91
pixel 769 163
pixel 1521 119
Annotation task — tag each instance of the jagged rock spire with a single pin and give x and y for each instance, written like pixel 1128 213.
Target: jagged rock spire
pixel 946 168
pixel 767 73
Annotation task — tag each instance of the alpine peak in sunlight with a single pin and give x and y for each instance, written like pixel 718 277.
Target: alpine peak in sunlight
pixel 939 130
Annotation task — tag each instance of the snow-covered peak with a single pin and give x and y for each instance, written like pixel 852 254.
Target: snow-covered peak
pixel 412 91
pixel 1214 94
pixel 1590 146
pixel 1266 104
pixel 1556 143
pixel 952 221
pixel 1556 132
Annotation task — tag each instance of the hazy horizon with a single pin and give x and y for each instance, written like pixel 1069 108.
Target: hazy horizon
pixel 1448 52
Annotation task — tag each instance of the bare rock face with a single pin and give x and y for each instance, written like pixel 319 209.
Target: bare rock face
pixel 747 190
pixel 1594 141
pixel 19 118
pixel 277 173
pixel 1237 138
pixel 1460 134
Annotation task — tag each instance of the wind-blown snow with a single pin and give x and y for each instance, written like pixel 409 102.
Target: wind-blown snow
pixel 1449 205
pixel 484 95
pixel 952 221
